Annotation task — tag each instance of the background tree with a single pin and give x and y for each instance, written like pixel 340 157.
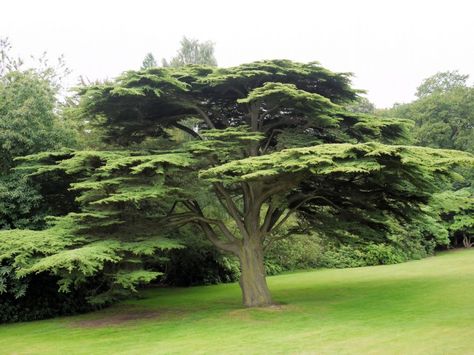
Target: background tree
pixel 362 105
pixel 456 211
pixel 28 124
pixel 444 114
pixel 444 118
pixel 31 121
pixel 192 51
pixel 273 140
pixel 149 61
pixel 441 82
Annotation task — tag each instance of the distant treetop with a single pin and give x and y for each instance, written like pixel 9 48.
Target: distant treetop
pixel 442 82
pixel 193 51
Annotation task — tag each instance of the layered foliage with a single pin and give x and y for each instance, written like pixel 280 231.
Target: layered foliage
pixel 112 233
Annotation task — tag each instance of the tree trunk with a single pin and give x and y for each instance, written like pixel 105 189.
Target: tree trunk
pixel 467 242
pixel 255 292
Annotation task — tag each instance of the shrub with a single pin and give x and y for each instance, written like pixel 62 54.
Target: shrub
pixel 299 251
pixel 42 300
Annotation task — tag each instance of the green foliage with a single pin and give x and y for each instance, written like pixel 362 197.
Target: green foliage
pixel 111 233
pixel 28 124
pixel 443 117
pixel 362 105
pixel 344 256
pixel 445 120
pixel 130 279
pixel 455 209
pixel 339 248
pixel 40 299
pixel 34 295
pixel 20 203
pixel 340 159
pixel 27 120
pixel 310 77
pixel 143 104
pixel 296 252
pixel 441 82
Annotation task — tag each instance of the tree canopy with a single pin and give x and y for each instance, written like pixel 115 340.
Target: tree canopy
pixel 29 123
pixel 442 82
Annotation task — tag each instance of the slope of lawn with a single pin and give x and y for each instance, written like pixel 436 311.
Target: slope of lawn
pixel 419 307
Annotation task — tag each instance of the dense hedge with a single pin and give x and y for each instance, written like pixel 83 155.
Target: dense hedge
pixel 311 251
pixel 42 300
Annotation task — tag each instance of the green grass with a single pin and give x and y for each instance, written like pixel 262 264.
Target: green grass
pixel 419 307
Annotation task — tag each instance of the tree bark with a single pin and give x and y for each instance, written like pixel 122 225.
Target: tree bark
pixel 255 292
pixel 467 242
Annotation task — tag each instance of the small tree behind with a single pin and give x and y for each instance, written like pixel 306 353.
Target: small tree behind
pixel 192 51
pixel 149 61
pixel 29 123
pixel 442 82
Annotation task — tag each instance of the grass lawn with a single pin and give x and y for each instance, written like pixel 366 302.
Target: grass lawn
pixel 419 307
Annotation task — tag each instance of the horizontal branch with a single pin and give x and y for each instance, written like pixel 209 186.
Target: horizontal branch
pixel 188 130
pixel 211 235
pixel 299 204
pixel 204 116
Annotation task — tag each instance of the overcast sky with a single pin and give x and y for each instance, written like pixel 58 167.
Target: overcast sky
pixel 390 46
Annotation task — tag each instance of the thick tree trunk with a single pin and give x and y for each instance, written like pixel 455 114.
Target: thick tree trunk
pixel 255 292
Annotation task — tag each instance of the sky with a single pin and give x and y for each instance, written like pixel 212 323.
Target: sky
pixel 389 46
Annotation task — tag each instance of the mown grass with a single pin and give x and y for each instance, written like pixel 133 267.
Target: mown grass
pixel 419 307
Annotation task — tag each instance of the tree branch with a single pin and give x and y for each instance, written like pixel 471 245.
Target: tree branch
pixel 247 196
pixel 276 188
pixel 211 235
pixel 293 209
pixel 188 130
pixel 270 139
pixel 193 205
pixel 269 219
pixel 204 116
pixel 230 207
pixel 280 122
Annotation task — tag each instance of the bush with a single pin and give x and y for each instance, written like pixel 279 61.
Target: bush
pixel 376 254
pixel 42 300
pixel 303 251
pixel 342 257
pixel 298 251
